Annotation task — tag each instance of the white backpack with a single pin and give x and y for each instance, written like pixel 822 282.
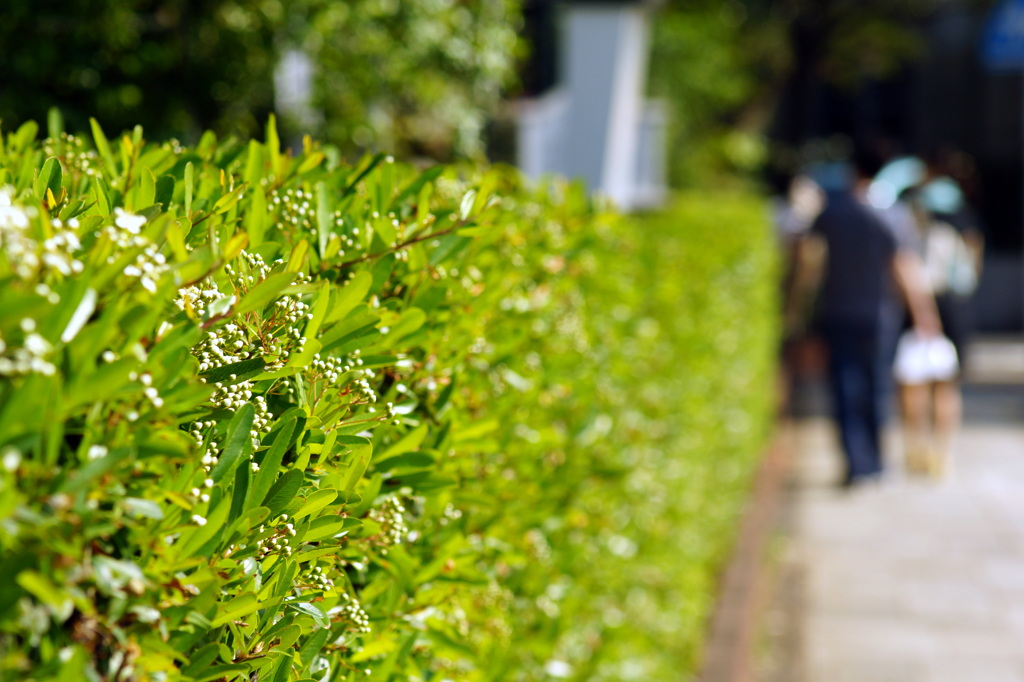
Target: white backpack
pixel 948 260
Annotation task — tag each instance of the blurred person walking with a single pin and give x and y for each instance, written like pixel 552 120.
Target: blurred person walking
pixel 928 371
pixel 794 208
pixel 870 267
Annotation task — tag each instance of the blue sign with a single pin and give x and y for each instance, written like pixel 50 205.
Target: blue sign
pixel 1002 43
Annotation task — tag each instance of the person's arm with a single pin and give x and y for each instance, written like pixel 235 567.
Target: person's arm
pixel 908 271
pixel 975 242
pixel 809 254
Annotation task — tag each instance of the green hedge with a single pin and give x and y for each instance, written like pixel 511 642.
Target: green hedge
pixel 266 415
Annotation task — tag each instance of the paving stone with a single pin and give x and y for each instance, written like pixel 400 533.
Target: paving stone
pixel 912 581
pixel 983 669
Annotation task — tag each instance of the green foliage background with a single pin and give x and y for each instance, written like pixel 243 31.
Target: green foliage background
pixel 177 66
pixel 725 68
pixel 408 77
pixel 455 427
pixel 412 78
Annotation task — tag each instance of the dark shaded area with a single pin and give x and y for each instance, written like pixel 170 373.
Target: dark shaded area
pixel 944 100
pixel 176 67
pixel 539 72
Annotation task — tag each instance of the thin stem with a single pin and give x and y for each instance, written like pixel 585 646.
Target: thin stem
pixel 399 247
pixel 217 318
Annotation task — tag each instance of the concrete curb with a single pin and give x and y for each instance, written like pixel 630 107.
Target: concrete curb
pixel 729 648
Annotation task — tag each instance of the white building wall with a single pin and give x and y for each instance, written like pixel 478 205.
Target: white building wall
pixel 596 125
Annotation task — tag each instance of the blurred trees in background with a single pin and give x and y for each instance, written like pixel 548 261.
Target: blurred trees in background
pixel 725 66
pixel 410 77
pixel 422 77
pixel 174 66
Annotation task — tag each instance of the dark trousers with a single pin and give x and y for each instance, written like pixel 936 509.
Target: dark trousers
pixel 860 373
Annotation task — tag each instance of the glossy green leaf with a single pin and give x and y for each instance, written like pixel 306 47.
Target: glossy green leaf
pixel 241 371
pixel 318 616
pixel 191 542
pixel 347 297
pixel 264 292
pixel 189 186
pixel 298 257
pixel 143 508
pixel 238 443
pixel 271 463
pixel 145 194
pixel 316 502
pixel 256 218
pixel 103 147
pixel 54 123
pixel 237 608
pixel 283 492
pixel 356 462
pixel 164 191
pixel 50 177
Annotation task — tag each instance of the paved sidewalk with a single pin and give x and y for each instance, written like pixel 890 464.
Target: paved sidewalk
pixel 912 581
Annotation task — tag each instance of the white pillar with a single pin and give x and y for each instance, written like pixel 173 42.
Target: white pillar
pixel 605 63
pixel 293 91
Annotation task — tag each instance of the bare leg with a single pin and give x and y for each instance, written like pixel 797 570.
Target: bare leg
pixel 914 407
pixel 948 410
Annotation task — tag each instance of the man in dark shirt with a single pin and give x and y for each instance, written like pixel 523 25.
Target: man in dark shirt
pixel 871 269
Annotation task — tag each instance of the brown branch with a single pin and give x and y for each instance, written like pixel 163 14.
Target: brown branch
pixel 399 247
pixel 204 217
pixel 218 318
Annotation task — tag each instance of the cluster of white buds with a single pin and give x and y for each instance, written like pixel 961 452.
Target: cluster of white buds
pixel 126 231
pixel 125 234
pixel 316 577
pixel 223 346
pixel 230 343
pixel 279 540
pixel 362 388
pixel 233 396
pixel 290 310
pixel 351 612
pixel 258 269
pixel 196 431
pixel 391 517
pixel 450 189
pixel 400 236
pixel 347 240
pixel 28 358
pixel 253 270
pixel 295 209
pixel 450 513
pixel 202 494
pixel 193 300
pixel 282 331
pixel 211 455
pixel 261 423
pixel 28 258
pixel 328 370
pixel 148 267
pixel 276 353
pixel 149 390
pixel 74 155
pixel 58 251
